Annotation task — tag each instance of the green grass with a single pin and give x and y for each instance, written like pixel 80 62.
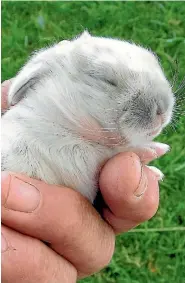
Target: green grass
pixel 26 26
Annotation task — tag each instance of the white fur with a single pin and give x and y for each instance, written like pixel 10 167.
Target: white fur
pixel 69 115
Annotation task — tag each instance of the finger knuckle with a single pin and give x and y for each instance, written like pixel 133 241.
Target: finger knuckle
pixel 104 255
pixel 151 207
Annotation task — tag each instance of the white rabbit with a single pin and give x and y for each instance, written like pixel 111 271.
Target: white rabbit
pixel 77 104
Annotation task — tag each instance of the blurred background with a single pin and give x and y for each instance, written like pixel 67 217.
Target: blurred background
pixel 149 253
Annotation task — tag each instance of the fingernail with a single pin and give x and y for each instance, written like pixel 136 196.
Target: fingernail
pixel 143 183
pixel 158 174
pixel 151 155
pixel 158 150
pixel 20 195
pixel 161 148
pixel 4 245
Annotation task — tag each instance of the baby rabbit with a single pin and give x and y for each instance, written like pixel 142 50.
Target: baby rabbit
pixel 77 104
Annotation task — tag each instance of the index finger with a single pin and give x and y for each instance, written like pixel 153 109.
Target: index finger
pixel 26 259
pixel 59 216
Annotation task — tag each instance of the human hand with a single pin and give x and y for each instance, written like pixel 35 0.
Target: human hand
pixel 81 242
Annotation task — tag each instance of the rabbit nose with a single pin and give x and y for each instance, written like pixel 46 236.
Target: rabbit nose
pixel 159 111
pixel 161 107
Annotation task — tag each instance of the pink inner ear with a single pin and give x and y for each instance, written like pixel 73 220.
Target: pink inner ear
pixel 4 94
pixel 91 130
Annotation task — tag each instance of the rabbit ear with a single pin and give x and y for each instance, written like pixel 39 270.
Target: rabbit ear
pixel 27 77
pixel 86 34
